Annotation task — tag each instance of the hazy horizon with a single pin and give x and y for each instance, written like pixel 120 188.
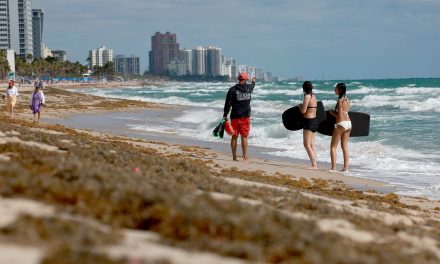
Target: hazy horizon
pixel 338 40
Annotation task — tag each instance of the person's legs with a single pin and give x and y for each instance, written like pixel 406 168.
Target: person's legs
pixel 336 137
pixel 12 105
pixel 308 145
pixel 314 148
pixel 38 117
pixel 243 128
pixel 234 147
pixel 35 114
pixel 344 145
pixel 244 145
pixel 234 139
pixel 9 107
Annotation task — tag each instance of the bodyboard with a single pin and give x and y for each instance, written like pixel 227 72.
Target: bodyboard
pixel 293 118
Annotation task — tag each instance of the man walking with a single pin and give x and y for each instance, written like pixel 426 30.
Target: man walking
pixel 239 98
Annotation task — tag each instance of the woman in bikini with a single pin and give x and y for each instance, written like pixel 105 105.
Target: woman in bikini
pixel 342 127
pixel 308 109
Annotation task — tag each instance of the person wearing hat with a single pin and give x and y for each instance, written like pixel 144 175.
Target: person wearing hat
pixel 239 99
pixel 37 101
pixel 11 97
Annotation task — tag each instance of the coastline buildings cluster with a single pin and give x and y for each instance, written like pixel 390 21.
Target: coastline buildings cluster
pixel 22 33
pixel 167 58
pixel 125 65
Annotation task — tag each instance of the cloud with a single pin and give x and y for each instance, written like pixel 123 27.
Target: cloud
pixel 285 37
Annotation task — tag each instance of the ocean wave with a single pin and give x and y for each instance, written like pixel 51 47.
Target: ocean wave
pixel 318 91
pixel 400 102
pixel 272 131
pixel 420 91
pixel 363 90
pixel 153 129
pixel 264 106
pixel 207 117
pixel 430 192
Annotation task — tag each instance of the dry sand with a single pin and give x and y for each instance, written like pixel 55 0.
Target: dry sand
pixel 86 197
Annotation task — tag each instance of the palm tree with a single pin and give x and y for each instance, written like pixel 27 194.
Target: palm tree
pixel 4 64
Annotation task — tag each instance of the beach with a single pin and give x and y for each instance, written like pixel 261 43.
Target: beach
pixel 81 187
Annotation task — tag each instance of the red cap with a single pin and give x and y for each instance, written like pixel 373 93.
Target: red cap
pixel 243 76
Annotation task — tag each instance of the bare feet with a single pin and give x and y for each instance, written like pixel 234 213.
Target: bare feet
pixel 313 168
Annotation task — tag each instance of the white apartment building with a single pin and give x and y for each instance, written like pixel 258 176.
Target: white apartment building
pixel 25 28
pixel 127 65
pixel 187 57
pixel 176 67
pixel 16 26
pixel 199 61
pixel 100 56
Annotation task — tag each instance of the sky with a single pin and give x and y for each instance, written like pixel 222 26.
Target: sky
pixel 330 39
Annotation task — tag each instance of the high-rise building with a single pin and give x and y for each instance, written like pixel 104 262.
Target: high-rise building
pixel 60 55
pixel 37 31
pixel 9 25
pixel 127 65
pixel 164 48
pixel 199 61
pixel 213 61
pixel 187 57
pixel 16 26
pixel 25 28
pixel 100 56
pixel 230 68
pixel 176 67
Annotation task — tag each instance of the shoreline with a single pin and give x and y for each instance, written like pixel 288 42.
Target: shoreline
pixel 107 124
pixel 106 198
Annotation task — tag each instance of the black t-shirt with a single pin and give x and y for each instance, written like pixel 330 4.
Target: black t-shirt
pixel 239 98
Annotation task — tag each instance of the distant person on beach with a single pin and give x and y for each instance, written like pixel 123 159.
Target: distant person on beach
pixel 11 97
pixel 308 108
pixel 342 127
pixel 239 98
pixel 37 102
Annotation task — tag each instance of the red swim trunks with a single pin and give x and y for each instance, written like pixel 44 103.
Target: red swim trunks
pixel 241 126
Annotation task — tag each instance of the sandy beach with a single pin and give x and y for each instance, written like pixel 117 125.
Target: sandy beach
pixel 95 194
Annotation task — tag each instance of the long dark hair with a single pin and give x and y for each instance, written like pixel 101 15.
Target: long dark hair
pixel 342 92
pixel 307 87
pixel 342 89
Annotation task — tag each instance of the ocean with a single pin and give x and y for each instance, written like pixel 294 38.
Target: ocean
pixel 403 148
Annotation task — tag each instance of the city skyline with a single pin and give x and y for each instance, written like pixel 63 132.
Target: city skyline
pixel 340 40
pixel 167 57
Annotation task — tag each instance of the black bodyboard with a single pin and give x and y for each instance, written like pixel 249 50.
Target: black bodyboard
pixel 360 124
pixel 293 119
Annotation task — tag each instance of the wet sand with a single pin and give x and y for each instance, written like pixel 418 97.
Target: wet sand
pixel 88 196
